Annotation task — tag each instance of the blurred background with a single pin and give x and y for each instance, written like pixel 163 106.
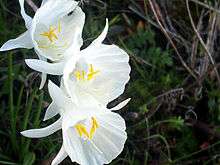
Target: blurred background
pixel 174 114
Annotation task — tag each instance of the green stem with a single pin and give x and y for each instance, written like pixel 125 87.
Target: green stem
pixel 11 103
pixel 165 142
pixel 195 153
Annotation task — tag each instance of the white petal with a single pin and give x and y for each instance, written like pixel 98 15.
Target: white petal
pixel 68 69
pixel 43 132
pixel 44 19
pixel 58 8
pixel 79 150
pixel 45 67
pixel 43 75
pixel 43 2
pixel 27 19
pixel 57 94
pixel 110 137
pixel 121 105
pixel 73 27
pixel 43 80
pixel 107 143
pixel 102 36
pixel 23 41
pixel 112 62
pixel 51 111
pixel 73 147
pixel 60 156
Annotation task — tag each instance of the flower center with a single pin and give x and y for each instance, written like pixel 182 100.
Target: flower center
pixel 52 33
pixel 82 131
pixel 82 75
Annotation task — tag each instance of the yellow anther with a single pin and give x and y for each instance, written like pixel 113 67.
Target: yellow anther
pixel 59 26
pixel 51 35
pixel 82 75
pixel 91 75
pixel 81 129
pixel 91 69
pixel 77 75
pixel 92 72
pixel 95 125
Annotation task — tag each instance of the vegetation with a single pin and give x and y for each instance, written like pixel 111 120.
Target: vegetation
pixel 174 114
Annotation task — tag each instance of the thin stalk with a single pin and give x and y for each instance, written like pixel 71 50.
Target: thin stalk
pixel 11 103
pixel 195 153
pixel 18 105
pixel 25 142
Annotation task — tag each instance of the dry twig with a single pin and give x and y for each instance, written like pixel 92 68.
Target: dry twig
pixel 206 6
pixel 170 40
pixel 32 5
pixel 201 41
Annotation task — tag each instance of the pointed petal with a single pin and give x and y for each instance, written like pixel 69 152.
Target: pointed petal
pixel 57 95
pixel 102 36
pixel 43 80
pixel 51 111
pixel 43 132
pixel 45 67
pixel 121 105
pixel 23 41
pixel 27 19
pixel 43 75
pixel 60 156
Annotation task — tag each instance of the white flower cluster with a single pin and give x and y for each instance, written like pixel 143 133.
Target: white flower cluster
pixel 90 79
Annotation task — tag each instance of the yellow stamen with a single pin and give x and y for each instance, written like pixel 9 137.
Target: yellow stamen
pixel 91 68
pixel 50 34
pixel 95 125
pixel 59 26
pixel 81 75
pixel 77 75
pixel 81 129
pixel 92 72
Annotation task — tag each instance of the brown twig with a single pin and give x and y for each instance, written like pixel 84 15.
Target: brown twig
pixel 170 40
pixel 206 6
pixel 201 41
pixel 32 5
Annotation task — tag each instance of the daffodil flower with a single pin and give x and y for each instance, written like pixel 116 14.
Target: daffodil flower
pixel 92 134
pixel 51 31
pixel 100 71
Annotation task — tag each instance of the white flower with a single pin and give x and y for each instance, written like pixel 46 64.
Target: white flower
pixel 54 28
pixel 100 71
pixel 92 134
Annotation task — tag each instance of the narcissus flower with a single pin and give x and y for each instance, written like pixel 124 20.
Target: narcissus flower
pixel 100 71
pixel 92 134
pixel 54 28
